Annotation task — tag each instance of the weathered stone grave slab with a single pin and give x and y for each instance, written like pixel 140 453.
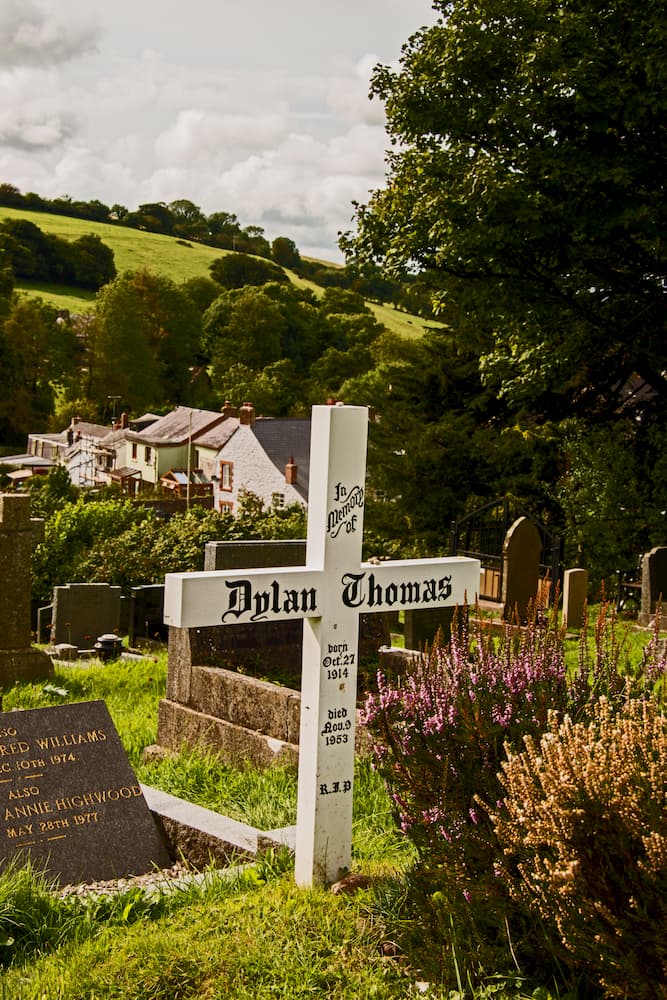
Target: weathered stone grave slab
pixel 654 582
pixel 521 554
pixel 575 593
pixel 69 799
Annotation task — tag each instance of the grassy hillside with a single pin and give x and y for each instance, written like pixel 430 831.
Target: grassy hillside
pixel 174 258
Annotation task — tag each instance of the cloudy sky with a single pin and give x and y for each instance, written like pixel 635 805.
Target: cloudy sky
pixel 257 107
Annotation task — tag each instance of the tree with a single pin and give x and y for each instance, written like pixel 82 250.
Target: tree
pixel 244 327
pixel 156 217
pixel 239 269
pixel 38 355
pixel 145 338
pixel 93 261
pixel 285 252
pixel 527 171
pixel 190 221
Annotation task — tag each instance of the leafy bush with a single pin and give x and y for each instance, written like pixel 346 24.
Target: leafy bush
pixel 124 544
pixel 583 828
pixel 71 534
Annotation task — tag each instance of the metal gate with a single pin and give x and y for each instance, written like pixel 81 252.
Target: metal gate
pixel 481 535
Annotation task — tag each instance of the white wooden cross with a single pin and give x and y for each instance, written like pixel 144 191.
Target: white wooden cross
pixel 329 594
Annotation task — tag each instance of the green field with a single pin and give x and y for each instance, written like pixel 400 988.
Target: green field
pixel 176 259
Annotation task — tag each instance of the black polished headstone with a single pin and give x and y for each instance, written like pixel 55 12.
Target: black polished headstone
pixel 69 799
pixel 146 618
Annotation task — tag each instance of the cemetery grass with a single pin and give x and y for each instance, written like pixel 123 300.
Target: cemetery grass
pixel 252 934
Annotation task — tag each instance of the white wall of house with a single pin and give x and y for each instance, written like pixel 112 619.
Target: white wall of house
pixel 205 459
pixel 251 470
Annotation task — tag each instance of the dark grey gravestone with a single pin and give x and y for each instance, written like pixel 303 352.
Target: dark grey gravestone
pixel 70 800
pixel 422 627
pixel 82 611
pixel 147 614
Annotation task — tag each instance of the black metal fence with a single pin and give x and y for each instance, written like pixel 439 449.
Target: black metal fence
pixel 481 535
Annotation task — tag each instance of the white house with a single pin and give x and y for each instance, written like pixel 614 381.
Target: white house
pixel 267 456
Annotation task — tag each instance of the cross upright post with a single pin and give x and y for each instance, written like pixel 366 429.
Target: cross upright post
pixel 328 693
pixel 329 594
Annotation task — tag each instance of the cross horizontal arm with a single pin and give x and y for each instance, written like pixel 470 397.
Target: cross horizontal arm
pixel 196 600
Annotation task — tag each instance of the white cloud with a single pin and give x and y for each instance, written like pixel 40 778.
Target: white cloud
pixel 31 35
pixel 256 108
pixel 348 94
pixel 33 112
pixel 205 136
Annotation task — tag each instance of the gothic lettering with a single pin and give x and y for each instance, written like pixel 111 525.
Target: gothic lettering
pixel 363 588
pixel 257 605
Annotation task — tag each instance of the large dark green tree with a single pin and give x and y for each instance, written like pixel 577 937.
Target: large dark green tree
pixel 37 357
pixel 527 175
pixel 144 340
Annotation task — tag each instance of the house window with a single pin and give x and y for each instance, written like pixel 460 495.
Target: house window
pixel 226 507
pixel 134 450
pixel 148 454
pixel 226 475
pixel 278 501
pixel 197 462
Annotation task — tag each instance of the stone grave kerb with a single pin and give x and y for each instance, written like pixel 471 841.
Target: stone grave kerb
pixel 328 594
pixel 19 660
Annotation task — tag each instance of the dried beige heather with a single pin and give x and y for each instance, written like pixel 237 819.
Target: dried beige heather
pixel 584 832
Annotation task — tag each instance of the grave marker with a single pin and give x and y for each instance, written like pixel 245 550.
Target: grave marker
pixel 82 611
pixel 69 799
pixel 329 594
pixel 19 660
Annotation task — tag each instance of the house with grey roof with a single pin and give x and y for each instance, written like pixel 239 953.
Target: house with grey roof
pixel 168 443
pixel 88 451
pixel 266 456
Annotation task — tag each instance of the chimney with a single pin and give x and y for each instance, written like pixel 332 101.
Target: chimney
pixel 228 410
pixel 291 472
pixel 247 414
pixel 124 421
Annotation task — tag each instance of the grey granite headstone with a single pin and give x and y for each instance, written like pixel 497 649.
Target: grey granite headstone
pixel 70 800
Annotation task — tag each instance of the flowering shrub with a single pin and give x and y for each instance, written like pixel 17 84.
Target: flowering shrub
pixel 439 734
pixel 583 828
